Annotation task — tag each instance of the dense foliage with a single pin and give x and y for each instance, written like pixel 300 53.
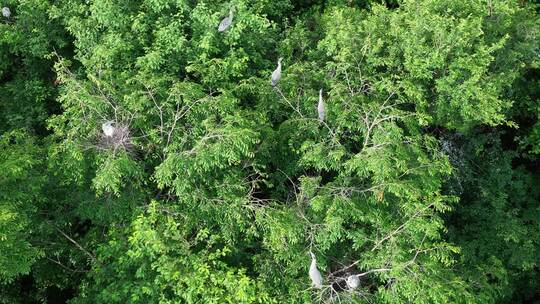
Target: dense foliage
pixel 215 187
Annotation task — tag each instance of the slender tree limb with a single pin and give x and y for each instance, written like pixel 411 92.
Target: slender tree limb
pixel 81 248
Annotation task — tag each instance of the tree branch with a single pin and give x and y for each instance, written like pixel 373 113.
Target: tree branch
pixel 92 257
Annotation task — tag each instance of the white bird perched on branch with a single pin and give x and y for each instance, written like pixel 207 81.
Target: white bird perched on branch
pixel 276 74
pixel 226 22
pixel 107 128
pixel 314 274
pixel 320 107
pixel 6 12
pixel 353 281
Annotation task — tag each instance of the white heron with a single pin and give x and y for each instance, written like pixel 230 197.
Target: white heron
pixel 6 12
pixel 320 107
pixel 314 274
pixel 353 281
pixel 226 22
pixel 276 74
pixel 108 128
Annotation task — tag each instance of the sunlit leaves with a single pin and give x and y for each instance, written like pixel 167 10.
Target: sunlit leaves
pixel 161 262
pixel 224 184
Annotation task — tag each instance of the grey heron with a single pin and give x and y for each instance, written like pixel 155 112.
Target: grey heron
pixel 6 12
pixel 353 281
pixel 226 22
pixel 314 274
pixel 320 107
pixel 108 128
pixel 276 74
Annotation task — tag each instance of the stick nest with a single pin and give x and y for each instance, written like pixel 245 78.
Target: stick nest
pixel 121 139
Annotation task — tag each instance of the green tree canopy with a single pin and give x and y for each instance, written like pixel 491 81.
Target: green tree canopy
pixel 216 186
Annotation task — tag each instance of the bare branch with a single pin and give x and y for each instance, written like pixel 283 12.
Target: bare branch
pixel 65 267
pixel 92 257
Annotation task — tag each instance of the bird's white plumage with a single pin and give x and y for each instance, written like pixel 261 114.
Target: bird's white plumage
pixel 108 128
pixel 353 281
pixel 314 274
pixel 226 22
pixel 6 12
pixel 320 107
pixel 276 74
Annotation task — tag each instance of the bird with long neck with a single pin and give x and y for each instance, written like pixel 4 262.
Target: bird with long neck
pixel 320 107
pixel 314 274
pixel 226 22
pixel 276 74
